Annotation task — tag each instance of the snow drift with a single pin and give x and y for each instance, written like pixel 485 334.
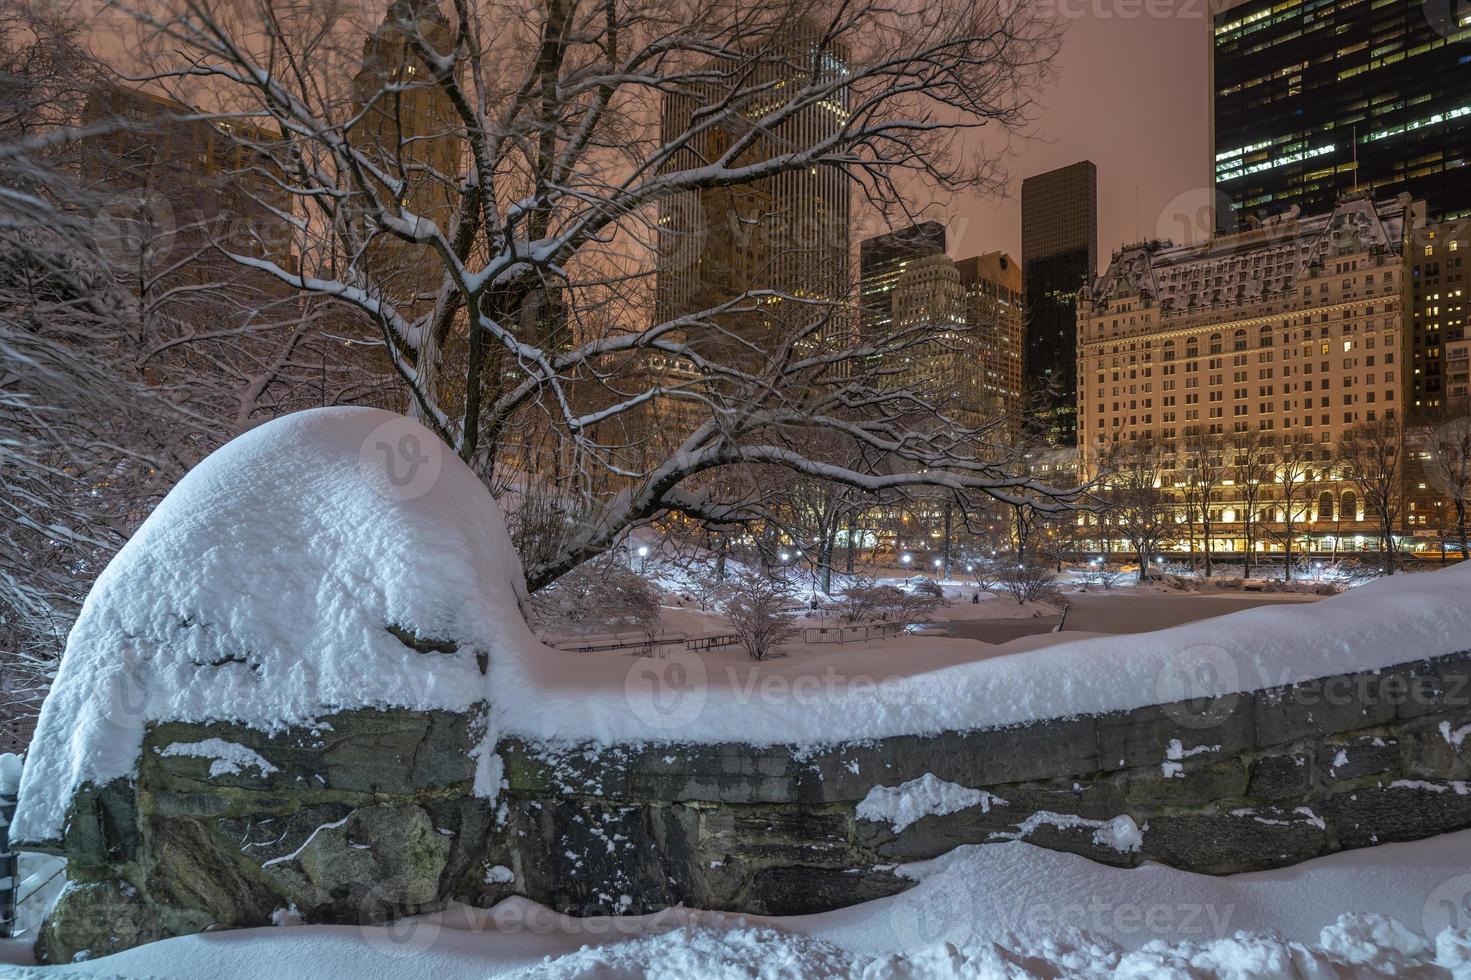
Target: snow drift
pixel 333 559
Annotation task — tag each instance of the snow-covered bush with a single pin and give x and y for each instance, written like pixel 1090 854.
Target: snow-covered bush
pixel 1104 577
pixel 598 594
pixel 865 600
pixel 1030 581
pixel 755 605
pixel 927 587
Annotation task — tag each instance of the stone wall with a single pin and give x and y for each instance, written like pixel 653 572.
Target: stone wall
pixel 370 814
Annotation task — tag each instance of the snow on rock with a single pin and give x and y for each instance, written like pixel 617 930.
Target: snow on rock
pixel 10 770
pixel 333 559
pixel 926 796
pixel 1121 833
pixel 229 758
pixel 1456 736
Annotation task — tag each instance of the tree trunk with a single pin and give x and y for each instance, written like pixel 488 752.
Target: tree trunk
pixel 852 538
pixel 1287 555
pixel 1205 527
pixel 945 571
pixel 825 560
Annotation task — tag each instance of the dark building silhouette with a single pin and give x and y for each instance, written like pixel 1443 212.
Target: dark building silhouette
pixel 1059 254
pixel 1314 99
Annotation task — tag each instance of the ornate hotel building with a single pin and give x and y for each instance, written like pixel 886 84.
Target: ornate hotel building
pixel 1299 325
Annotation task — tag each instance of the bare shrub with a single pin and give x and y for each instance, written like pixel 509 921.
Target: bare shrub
pixel 598 594
pixel 756 607
pixel 867 601
pixel 1030 581
pixel 1104 577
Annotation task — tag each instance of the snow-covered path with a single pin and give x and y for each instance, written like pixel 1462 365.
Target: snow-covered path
pixel 994 910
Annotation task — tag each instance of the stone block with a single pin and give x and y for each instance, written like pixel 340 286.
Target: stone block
pixel 1326 706
pixel 1226 842
pixel 1400 810
pixel 1281 775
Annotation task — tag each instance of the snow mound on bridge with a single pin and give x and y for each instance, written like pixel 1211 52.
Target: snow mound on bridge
pixel 332 559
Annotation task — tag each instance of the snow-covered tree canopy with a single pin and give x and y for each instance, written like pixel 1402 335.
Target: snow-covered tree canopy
pixel 528 200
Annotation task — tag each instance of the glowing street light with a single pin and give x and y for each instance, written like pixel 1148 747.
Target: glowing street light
pixel 784 556
pixel 906 558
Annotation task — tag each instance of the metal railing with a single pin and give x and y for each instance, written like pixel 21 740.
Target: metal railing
pixel 9 869
pixel 645 644
pixel 854 633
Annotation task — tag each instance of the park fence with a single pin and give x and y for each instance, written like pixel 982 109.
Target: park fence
pixel 853 633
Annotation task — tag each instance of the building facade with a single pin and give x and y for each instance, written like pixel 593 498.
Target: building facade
pixel 1312 99
pixel 788 233
pixel 994 315
pixel 881 261
pixel 1059 255
pixel 1439 313
pixel 406 123
pixel 1294 330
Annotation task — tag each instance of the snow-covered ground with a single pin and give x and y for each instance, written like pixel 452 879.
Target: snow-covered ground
pixel 995 910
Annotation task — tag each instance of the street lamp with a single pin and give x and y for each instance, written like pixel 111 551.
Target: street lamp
pixel 784 556
pixel 643 555
pixel 906 558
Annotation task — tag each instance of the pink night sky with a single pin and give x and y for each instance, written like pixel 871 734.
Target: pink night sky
pixel 1132 96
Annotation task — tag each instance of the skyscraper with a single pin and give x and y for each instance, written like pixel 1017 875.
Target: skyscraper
pixel 881 261
pixel 1059 254
pixel 1314 99
pixel 994 316
pixel 787 233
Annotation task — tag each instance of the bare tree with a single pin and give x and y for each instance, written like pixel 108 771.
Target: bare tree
pixel 756 606
pixel 1202 454
pixel 1449 470
pixel 592 150
pixel 1371 457
pixel 1139 503
pixel 1292 465
pixel 1252 473
pixel 129 348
